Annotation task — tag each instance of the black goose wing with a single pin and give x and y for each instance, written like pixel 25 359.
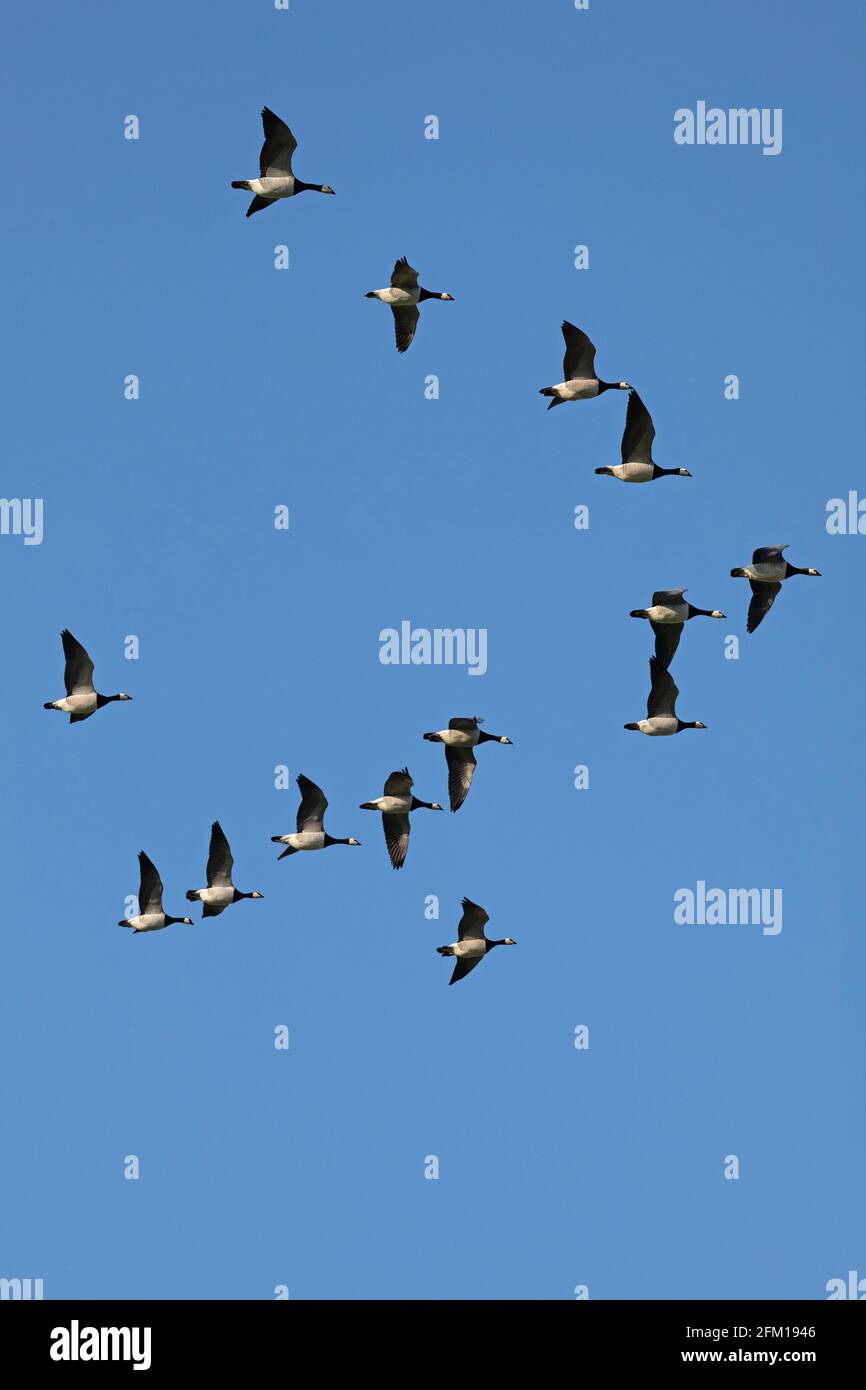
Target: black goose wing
pixel 399 783
pixel 397 838
pixel 463 967
pixel 639 432
pixel 150 886
pixel 763 598
pixel 663 597
pixel 667 640
pixel 464 724
pixel 78 675
pixel 406 318
pixel 473 922
pixel 461 769
pixel 579 359
pixel 404 276
pixel 311 812
pixel 663 694
pixel 258 203
pixel 219 860
pixel 765 554
pixel 275 159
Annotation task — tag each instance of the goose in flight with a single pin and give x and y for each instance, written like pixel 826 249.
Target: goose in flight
pixel 311 833
pixel 220 892
pixel 578 368
pixel 395 804
pixel 637 441
pixel 471 945
pixel 661 707
pixel 151 915
pixel 765 575
pixel 81 699
pixel 404 295
pixel 667 617
pixel 276 179
pixel 461 736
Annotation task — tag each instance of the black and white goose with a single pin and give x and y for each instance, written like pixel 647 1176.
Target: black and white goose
pixel 461 736
pixel 472 945
pixel 395 805
pixel 661 707
pixel 220 892
pixel 765 575
pixel 276 179
pixel 311 833
pixel 667 617
pixel 404 294
pixel 637 442
pixel 81 699
pixel 151 916
pixel 578 367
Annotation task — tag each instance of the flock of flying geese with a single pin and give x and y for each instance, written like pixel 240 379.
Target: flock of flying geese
pixel 670 611
pixel 395 805
pixel 667 616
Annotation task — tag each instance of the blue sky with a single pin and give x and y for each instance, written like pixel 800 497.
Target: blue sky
pixel 260 647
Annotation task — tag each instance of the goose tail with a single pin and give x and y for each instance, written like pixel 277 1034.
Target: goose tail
pixel 445 950
pixel 241 183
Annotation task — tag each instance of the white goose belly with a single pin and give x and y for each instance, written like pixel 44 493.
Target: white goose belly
pixel 768 572
pixel 273 187
pixel 660 726
pixel 150 921
pixel 633 472
pixel 305 839
pixel 663 614
pixel 459 738
pixel 217 898
pixel 578 389
pixel 396 297
pixel 469 948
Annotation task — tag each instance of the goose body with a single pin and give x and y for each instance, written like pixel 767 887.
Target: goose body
pixel 662 720
pixel 637 464
pixel 310 833
pixel 151 915
pixel 81 698
pixel 403 296
pixel 667 617
pixel 276 179
pixel 395 805
pixel 766 574
pixel 460 738
pixel 582 382
pixel 220 892
pixel 471 945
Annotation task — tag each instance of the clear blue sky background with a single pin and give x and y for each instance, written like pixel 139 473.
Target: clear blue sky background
pixel 260 647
